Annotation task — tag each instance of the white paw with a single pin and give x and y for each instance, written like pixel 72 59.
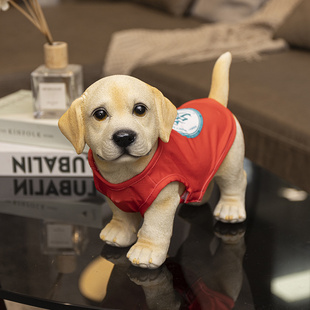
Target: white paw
pixel 230 211
pixel 147 255
pixel 118 234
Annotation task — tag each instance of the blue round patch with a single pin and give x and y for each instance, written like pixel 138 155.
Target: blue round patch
pixel 188 123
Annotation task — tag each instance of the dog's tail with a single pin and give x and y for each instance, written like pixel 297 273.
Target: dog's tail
pixel 220 79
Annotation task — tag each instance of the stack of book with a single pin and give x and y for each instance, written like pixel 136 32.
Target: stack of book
pixel 35 147
pixel 40 172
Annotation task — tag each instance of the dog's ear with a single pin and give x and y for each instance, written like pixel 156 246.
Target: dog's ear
pixel 71 124
pixel 166 113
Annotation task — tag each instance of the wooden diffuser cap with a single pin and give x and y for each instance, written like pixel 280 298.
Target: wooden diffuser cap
pixel 56 55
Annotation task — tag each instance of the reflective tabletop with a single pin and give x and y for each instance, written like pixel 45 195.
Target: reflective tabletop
pixel 52 257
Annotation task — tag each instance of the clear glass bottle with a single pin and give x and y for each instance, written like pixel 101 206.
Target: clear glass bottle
pixel 56 84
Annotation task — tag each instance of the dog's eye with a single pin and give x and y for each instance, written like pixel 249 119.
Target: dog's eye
pixel 100 115
pixel 139 110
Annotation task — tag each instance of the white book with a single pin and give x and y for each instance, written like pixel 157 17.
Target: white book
pixel 25 160
pixel 18 125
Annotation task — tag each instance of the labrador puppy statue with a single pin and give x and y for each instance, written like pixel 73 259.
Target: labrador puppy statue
pixel 147 157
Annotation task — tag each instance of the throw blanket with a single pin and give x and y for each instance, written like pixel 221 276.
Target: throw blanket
pixel 246 40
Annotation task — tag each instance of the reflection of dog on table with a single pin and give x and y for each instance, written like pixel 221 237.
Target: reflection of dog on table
pixel 145 159
pixel 206 272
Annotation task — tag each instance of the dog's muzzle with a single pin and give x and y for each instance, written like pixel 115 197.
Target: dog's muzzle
pixel 124 138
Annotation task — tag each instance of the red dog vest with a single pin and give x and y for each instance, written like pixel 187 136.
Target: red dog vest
pixel 202 135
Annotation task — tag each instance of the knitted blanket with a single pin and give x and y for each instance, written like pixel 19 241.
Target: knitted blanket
pixel 246 40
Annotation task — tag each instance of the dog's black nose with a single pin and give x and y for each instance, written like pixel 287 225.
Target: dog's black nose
pixel 124 138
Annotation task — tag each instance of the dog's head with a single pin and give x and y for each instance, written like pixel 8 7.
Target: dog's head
pixel 118 117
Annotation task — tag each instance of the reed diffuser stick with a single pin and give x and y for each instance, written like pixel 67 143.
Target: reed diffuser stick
pixel 33 12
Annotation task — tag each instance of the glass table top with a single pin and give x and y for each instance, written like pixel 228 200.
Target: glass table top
pixel 52 257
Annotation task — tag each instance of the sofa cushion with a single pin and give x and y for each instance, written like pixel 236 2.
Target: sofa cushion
pixel 175 7
pixel 224 10
pixel 296 28
pixel 267 96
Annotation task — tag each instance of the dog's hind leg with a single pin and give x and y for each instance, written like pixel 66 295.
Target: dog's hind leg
pixel 231 179
pixel 122 229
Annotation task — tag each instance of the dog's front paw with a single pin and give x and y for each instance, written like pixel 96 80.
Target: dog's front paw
pixel 230 211
pixel 147 254
pixel 117 233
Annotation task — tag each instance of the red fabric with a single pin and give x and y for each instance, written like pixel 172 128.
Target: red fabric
pixel 195 294
pixel 191 161
pixel 207 299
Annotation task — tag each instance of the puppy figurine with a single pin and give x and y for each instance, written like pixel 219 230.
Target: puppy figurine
pixel 147 157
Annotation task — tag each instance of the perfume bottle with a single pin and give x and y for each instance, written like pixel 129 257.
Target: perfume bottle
pixel 56 84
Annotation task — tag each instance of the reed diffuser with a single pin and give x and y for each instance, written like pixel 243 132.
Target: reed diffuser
pixel 55 84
